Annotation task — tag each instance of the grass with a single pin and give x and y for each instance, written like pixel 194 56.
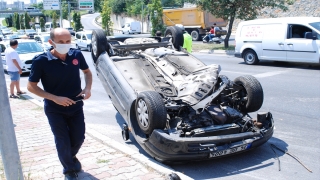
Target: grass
pixel 102 161
pixel 199 46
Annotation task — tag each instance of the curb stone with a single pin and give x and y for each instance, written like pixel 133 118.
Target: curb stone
pixel 162 169
pixel 227 52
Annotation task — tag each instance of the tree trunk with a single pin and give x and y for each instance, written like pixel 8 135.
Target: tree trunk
pixel 226 40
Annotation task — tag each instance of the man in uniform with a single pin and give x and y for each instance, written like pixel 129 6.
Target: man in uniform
pixel 187 40
pixel 58 70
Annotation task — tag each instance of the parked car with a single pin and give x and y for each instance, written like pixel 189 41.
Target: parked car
pixel 131 28
pixel 49 26
pixel 26 49
pixel 83 39
pixel 176 107
pixel 43 40
pixel 6 31
pixel 30 33
pixel 70 29
pixel 22 34
pixel 292 39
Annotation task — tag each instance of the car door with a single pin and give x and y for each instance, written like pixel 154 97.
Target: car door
pixel 298 47
pixel 273 45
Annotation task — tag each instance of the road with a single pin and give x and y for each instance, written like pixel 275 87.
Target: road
pixel 291 93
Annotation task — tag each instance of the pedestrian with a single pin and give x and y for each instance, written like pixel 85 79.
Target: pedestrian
pixel 14 68
pixel 187 40
pixel 58 70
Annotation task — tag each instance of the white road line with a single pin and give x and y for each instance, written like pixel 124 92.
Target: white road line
pixel 268 74
pixel 235 72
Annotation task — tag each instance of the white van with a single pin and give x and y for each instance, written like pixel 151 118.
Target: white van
pixel 292 39
pixel 48 26
pixel 131 28
pixel 83 39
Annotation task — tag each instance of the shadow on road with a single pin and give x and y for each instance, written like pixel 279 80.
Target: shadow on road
pixel 287 65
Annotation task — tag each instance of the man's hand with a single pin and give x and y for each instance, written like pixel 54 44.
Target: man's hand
pixel 85 93
pixel 20 71
pixel 63 101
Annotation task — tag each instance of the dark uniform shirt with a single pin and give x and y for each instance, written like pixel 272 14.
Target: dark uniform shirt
pixel 61 78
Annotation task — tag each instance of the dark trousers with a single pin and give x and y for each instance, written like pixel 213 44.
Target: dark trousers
pixel 68 127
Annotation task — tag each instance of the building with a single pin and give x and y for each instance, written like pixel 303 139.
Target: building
pixel 3 5
pixel 33 2
pixel 18 5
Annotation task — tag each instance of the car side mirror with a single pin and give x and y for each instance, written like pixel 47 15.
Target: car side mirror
pixel 122 26
pixel 309 35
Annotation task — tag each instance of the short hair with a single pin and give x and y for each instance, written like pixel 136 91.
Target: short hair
pixel 52 34
pixel 158 33
pixel 214 24
pixel 13 42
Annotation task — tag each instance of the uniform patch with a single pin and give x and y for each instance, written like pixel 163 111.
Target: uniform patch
pixel 75 62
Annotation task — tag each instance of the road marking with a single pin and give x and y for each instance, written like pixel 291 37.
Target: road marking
pixel 235 72
pixel 268 74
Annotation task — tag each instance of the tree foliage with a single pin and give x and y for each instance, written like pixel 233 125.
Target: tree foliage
pixel 42 23
pixel 54 19
pixel 156 13
pixel 27 20
pixel 22 22
pixel 77 21
pixel 16 20
pixel 106 17
pixel 238 9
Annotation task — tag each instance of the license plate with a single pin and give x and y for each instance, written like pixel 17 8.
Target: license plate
pixel 230 150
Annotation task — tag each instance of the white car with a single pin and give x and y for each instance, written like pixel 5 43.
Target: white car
pixel 131 28
pixel 43 41
pixel 83 39
pixel 26 49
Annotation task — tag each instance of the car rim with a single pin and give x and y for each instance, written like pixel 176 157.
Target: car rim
pixel 194 35
pixel 143 113
pixel 94 46
pixel 250 57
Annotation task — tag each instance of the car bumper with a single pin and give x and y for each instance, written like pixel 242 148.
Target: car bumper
pixel 238 55
pixel 166 148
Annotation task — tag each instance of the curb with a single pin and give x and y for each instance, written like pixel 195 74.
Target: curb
pixel 208 51
pixel 162 169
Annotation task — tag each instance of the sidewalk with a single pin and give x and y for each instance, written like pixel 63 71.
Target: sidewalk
pixel 99 160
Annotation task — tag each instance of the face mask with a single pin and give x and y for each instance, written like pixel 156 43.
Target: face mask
pixel 62 48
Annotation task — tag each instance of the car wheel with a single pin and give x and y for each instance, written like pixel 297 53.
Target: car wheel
pixel 250 57
pixel 176 34
pixel 98 44
pixel 251 96
pixel 150 111
pixel 89 48
pixel 195 35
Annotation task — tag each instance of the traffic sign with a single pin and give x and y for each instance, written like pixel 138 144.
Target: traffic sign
pixel 86 5
pixel 51 4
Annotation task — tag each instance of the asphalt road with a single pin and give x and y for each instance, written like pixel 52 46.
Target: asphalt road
pixel 291 93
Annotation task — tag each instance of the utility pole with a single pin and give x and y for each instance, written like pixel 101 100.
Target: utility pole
pixel 69 13
pixel 142 18
pixel 8 141
pixel 60 4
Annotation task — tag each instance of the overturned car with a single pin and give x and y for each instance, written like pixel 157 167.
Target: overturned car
pixel 176 107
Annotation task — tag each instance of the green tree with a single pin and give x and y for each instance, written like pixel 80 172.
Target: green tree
pixel 17 21
pixel 238 9
pixel 65 11
pixel 118 6
pixel 33 23
pixel 172 3
pixel 54 19
pixel 98 5
pixel 27 20
pixel 9 21
pixel 156 13
pixel 77 21
pixel 106 17
pixel 42 23
pixel 22 25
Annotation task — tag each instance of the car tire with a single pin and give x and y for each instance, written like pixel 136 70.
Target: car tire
pixel 195 35
pixel 252 93
pixel 250 57
pixel 150 111
pixel 98 44
pixel 177 36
